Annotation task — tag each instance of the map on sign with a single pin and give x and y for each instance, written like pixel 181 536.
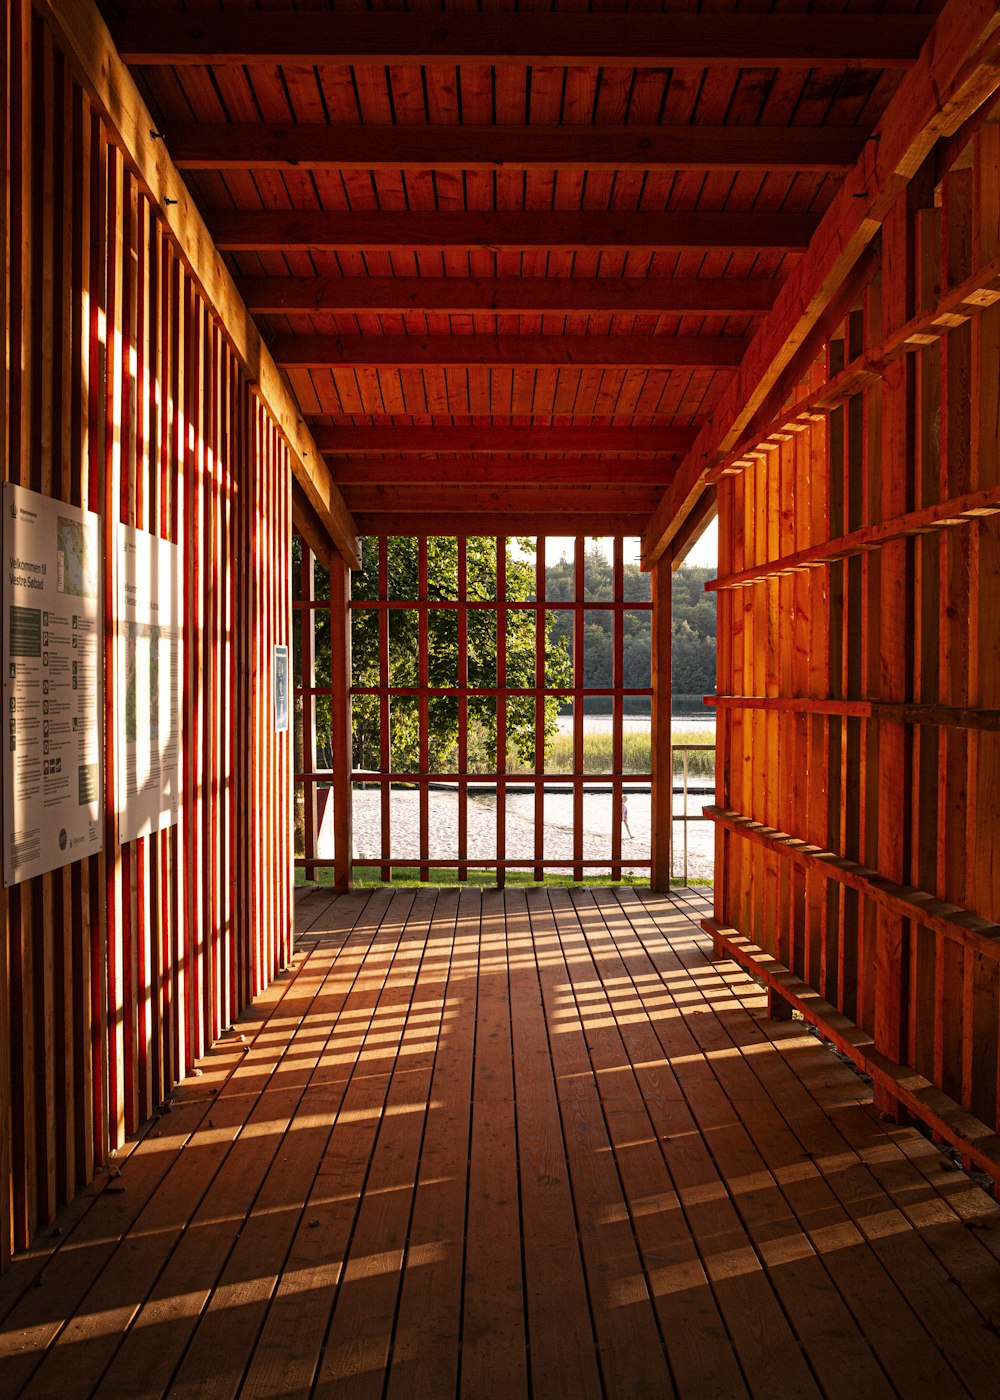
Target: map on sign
pixel 76 558
pixel 142 679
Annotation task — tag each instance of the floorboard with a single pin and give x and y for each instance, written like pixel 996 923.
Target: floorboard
pixel 512 1144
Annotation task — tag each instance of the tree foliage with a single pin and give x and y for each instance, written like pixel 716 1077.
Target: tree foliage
pixel 693 632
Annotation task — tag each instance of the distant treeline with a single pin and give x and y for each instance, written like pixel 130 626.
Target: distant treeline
pixel 693 626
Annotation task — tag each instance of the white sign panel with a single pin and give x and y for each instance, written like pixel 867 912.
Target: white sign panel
pixel 148 659
pixel 53 651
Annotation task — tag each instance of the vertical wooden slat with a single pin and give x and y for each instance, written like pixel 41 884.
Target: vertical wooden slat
pixel 662 798
pixel 541 632
pixel 462 681
pixel 501 715
pixel 340 707
pixel 384 705
pixel 579 627
pixel 423 712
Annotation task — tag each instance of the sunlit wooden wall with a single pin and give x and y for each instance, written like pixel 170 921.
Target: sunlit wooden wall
pixel 858 804
pixel 123 396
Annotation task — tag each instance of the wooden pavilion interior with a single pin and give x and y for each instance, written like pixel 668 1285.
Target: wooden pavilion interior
pixel 282 276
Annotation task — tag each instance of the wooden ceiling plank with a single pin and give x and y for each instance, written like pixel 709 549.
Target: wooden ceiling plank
pixel 491 438
pixel 285 146
pixel 486 350
pixel 565 230
pixel 637 40
pixel 957 71
pixel 84 37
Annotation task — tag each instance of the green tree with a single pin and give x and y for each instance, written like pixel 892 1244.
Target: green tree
pixel 442 656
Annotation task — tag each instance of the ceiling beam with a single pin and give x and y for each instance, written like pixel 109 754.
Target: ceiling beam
pixel 594 524
pixel 633 40
pixel 477 471
pixel 83 35
pixel 567 351
pixel 368 230
pixel 525 296
pixel 271 146
pixel 488 438
pixel 956 72
pixel 530 500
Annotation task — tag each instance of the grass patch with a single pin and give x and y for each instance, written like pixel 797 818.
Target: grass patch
pixel 406 877
pixel 636 754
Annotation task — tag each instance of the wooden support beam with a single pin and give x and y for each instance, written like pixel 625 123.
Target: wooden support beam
pixel 281 146
pixel 956 72
pixel 368 230
pixel 502 472
pixel 526 296
pixel 84 37
pixel 562 40
pixel 570 351
pixel 662 798
pixel 497 522
pixel 903 712
pixel 545 500
pixel 341 724
pixel 306 523
pixel 347 438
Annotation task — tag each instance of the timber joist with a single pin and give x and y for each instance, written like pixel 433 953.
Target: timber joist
pixel 559 40
pixel 918 1096
pixel 959 926
pixel 962 510
pixel 463 440
pixel 956 308
pixel 489 351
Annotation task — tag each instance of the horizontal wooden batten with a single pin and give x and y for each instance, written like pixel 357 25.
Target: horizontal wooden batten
pixel 630 40
pixel 499 523
pixel 958 306
pixel 962 510
pixel 270 146
pixel 569 351
pixel 958 925
pixel 545 501
pixel 347 438
pixel 917 1096
pixel 899 712
pixel 477 471
pixel 257 230
pixel 523 296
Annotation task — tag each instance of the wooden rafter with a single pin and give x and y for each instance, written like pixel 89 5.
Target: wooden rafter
pixel 637 352
pixel 526 296
pixel 347 438
pixel 563 40
pixel 270 146
pixel 85 37
pixel 954 75
pixel 497 522
pixel 540 500
pixel 480 471
pixel 365 231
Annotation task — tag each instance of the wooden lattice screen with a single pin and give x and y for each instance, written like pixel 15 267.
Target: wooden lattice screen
pixel 434 615
pixel 859 669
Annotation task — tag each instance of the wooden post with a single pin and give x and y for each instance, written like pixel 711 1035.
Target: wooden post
pixel 662 797
pixel 340 714
pixel 307 636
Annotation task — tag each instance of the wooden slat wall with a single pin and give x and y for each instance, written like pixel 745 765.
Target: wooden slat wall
pixel 859 709
pixel 123 396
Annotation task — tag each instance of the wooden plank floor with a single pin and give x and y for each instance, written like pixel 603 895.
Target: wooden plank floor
pixel 514 1145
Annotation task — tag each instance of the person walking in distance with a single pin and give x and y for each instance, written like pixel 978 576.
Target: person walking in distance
pixel 625 816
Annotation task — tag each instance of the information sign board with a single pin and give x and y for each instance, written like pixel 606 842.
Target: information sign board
pixel 53 650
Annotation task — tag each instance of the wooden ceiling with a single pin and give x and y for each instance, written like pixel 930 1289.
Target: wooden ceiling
pixel 511 261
